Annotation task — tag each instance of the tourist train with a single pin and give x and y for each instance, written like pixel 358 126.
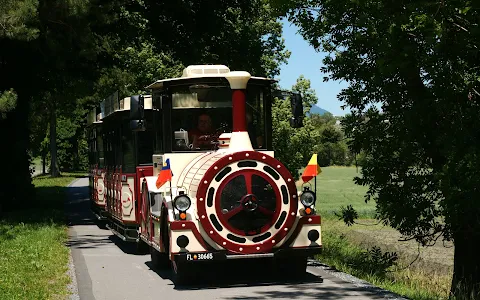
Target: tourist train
pixel 188 172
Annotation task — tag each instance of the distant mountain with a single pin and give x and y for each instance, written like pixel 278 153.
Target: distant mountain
pixel 317 110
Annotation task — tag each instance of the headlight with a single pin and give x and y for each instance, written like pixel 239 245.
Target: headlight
pixel 182 202
pixel 307 198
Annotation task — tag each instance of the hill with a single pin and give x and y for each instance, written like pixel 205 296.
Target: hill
pixel 318 110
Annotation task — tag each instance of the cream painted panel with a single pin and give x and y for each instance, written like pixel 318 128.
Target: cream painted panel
pixel 128 200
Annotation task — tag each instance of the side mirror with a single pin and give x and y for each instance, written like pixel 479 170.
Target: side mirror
pixel 297 110
pixel 137 116
pixel 137 107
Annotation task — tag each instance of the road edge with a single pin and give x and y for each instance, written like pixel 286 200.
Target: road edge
pixel 73 286
pixel 367 286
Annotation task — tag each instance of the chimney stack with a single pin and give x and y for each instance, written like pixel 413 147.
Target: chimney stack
pixel 239 141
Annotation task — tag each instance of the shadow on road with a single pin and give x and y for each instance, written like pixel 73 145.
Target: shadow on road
pixel 231 274
pixel 127 247
pixel 77 208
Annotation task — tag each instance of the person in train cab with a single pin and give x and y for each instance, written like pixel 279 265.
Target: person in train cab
pixel 202 136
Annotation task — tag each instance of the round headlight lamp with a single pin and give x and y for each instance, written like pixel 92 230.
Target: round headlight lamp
pixel 182 202
pixel 307 198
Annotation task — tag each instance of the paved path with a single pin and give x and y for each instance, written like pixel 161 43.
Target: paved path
pixel 106 268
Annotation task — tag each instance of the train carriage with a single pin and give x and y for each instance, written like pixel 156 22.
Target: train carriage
pixel 119 156
pixel 208 186
pixel 96 164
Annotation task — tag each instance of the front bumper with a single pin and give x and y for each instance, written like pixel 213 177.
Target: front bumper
pixel 214 256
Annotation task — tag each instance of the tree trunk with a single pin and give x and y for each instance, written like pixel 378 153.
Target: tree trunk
pixel 53 144
pixel 466 267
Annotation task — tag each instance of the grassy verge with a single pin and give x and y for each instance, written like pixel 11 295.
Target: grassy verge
pixel 344 251
pixel 349 249
pixel 34 258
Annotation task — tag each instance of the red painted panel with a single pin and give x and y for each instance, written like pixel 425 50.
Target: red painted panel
pixel 267 245
pixel 247 174
pixel 238 108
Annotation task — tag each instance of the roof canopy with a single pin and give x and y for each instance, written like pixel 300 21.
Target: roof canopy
pixel 200 71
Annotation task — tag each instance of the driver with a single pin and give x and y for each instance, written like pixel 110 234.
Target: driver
pixel 202 136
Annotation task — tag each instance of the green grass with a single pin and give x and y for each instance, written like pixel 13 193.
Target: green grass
pixel 344 254
pixel 345 247
pixel 34 258
pixel 335 188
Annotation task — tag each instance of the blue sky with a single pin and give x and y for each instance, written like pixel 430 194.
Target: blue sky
pixel 305 60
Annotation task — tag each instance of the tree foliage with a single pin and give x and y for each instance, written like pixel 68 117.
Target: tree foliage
pixel 78 52
pixel 418 61
pixel 294 146
pixel 18 19
pixel 241 34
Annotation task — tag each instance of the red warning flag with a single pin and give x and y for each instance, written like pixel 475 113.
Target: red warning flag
pixel 312 169
pixel 165 174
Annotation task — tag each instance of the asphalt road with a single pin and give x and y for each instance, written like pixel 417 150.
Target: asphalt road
pixel 107 268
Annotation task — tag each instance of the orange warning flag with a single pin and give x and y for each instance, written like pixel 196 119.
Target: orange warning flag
pixel 312 169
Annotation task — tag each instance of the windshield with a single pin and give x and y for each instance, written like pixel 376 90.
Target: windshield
pixel 200 115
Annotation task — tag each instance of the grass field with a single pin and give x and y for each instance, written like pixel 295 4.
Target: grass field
pixel 345 247
pixel 34 258
pixel 335 188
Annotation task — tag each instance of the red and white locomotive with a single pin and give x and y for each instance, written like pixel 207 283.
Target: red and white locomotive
pixel 212 189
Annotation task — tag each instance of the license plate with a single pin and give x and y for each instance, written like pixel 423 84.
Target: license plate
pixel 199 256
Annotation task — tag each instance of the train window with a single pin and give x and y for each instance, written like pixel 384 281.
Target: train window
pixel 127 148
pixel 198 120
pixel 109 154
pixel 146 142
pixel 100 152
pixel 255 114
pixel 157 124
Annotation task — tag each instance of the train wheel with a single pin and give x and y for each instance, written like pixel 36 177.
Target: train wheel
pixel 294 268
pixel 181 273
pixel 159 260
pixel 142 247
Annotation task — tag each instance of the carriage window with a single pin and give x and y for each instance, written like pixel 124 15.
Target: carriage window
pixel 99 148
pixel 146 141
pixel 128 151
pixel 109 149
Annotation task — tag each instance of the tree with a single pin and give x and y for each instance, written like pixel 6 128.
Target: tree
pixel 417 61
pixel 293 146
pixel 242 34
pixel 18 27
pixel 309 97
